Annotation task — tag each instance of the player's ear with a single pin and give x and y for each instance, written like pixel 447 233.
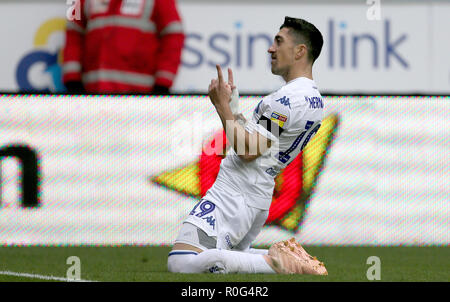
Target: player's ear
pixel 300 51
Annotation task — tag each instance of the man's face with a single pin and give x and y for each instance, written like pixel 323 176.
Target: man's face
pixel 282 52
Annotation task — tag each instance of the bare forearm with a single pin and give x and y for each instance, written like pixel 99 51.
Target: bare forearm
pixel 240 118
pixel 245 144
pixel 234 130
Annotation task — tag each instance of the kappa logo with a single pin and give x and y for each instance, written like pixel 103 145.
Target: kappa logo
pixel 294 184
pixel 284 101
pixel 211 221
pixel 214 269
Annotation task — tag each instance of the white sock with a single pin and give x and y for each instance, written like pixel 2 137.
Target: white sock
pixel 257 251
pixel 261 265
pixel 225 261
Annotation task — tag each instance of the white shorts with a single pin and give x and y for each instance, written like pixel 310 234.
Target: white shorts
pixel 226 217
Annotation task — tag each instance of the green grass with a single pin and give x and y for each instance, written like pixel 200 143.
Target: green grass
pixel 131 263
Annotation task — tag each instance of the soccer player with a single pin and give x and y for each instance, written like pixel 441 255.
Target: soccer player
pixel 217 234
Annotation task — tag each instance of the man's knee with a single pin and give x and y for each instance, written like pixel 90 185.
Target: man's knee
pixel 175 264
pixel 207 261
pixel 179 262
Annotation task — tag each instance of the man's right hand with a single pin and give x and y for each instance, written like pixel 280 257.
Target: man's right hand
pixel 220 91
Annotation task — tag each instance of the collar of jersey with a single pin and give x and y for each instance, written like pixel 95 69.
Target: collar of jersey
pixel 300 78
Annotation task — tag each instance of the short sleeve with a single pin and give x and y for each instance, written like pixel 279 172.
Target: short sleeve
pixel 271 116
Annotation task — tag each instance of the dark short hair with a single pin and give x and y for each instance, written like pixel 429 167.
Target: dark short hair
pixel 305 33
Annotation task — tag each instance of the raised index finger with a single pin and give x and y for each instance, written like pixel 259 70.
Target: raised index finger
pixel 219 73
pixel 230 77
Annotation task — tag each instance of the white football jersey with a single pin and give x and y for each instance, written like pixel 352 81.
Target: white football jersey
pixel 289 117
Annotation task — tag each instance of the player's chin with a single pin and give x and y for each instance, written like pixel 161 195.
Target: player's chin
pixel 275 70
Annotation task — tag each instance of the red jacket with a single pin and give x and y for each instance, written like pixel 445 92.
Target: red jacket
pixel 121 46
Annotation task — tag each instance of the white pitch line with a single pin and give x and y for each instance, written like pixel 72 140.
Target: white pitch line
pixel 42 277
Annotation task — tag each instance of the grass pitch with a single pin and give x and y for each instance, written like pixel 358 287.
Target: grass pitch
pixel 148 264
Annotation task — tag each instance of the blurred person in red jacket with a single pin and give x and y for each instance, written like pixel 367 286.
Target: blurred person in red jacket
pixel 123 46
